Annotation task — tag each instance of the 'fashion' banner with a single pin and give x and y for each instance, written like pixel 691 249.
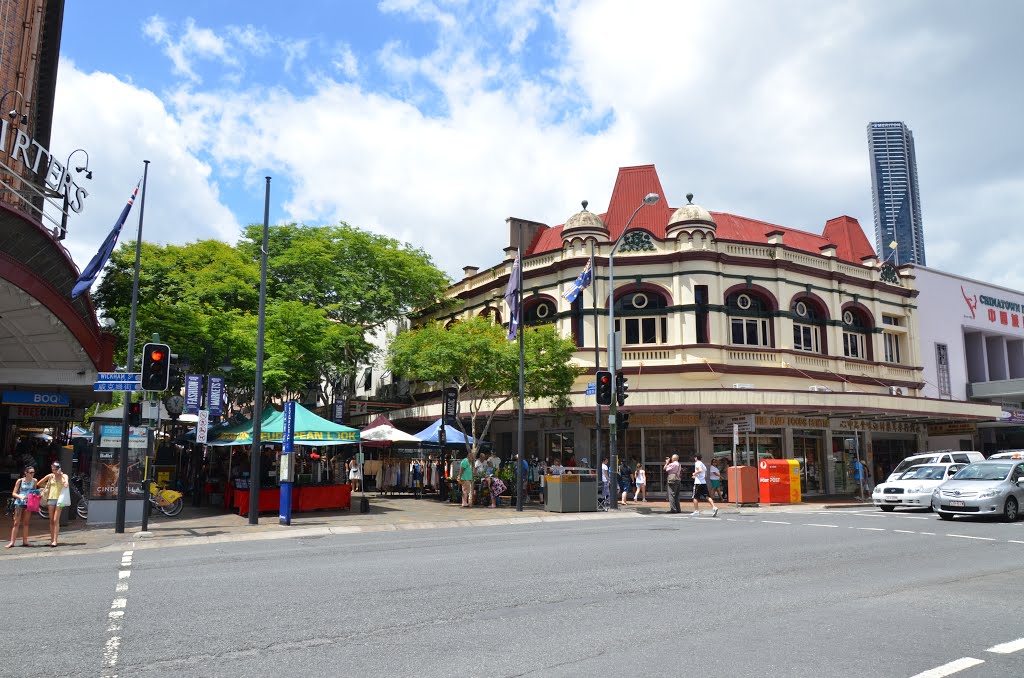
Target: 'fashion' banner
pixel 193 389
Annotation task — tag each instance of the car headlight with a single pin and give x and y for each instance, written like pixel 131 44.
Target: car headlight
pixel 877 490
pixel 935 492
pixel 988 494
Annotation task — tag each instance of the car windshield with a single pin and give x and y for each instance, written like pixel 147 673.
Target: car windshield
pixel 984 472
pixel 907 463
pixel 924 473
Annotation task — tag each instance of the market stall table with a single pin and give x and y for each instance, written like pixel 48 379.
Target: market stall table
pixel 304 498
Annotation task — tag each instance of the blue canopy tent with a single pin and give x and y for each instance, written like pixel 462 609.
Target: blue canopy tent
pixel 453 436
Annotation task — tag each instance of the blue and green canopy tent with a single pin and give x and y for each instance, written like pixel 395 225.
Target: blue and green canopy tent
pixel 310 430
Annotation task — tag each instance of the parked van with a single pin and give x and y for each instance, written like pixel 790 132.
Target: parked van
pixel 1008 454
pixel 936 457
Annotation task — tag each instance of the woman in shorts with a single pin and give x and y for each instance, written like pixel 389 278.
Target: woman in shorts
pixel 25 484
pixel 58 495
pixel 640 477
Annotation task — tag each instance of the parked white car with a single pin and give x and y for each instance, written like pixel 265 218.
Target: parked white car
pixel 936 457
pixel 914 487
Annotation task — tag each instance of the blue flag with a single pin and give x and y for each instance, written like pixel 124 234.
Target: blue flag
pixel 90 272
pixel 512 299
pixel 581 283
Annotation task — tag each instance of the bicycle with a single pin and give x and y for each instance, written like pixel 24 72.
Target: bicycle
pixel 168 501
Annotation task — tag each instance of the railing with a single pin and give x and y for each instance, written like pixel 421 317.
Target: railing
pixel 900 372
pixel 766 357
pixel 750 251
pixel 537 262
pixel 808 261
pixel 823 363
pixel 646 355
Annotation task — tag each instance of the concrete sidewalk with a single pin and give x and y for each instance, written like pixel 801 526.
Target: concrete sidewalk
pixel 387 514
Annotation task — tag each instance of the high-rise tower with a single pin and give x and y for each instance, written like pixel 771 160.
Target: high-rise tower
pixel 895 193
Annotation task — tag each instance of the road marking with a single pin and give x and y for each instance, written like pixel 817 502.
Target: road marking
pixel 950 668
pixel 112 648
pixel 871 529
pixel 1014 541
pixel 1008 648
pixel 819 525
pixel 968 536
pixel 776 522
pixel 930 534
pixel 905 531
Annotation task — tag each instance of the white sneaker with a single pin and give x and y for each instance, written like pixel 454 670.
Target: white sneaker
pixel 695 513
pixel 715 512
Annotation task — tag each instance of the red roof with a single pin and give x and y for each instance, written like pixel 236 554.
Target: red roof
pixel 633 183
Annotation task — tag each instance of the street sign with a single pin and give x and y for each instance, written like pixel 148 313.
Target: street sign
pixel 722 426
pixel 592 388
pixel 46 413
pixel 119 376
pixel 203 426
pixel 735 434
pixel 117 386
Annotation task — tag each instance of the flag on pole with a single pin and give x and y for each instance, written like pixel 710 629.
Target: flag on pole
pixel 581 283
pixel 512 299
pixel 89 273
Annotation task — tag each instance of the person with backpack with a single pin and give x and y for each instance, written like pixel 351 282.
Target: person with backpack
pixel 625 475
pixel 25 485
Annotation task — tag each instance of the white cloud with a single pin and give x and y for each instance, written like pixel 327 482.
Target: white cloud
pixel 758 109
pixel 182 202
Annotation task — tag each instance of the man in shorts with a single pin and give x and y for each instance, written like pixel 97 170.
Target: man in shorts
pixel 716 479
pixel 700 487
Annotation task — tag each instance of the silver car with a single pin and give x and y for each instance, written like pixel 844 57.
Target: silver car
pixel 983 488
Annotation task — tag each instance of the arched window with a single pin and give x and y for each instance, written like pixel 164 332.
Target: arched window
pixel 492 313
pixel 539 311
pixel 750 320
pixel 642 317
pixel 809 317
pixel 856 333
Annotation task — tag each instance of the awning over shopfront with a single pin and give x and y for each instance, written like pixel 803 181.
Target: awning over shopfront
pixel 453 436
pixel 382 431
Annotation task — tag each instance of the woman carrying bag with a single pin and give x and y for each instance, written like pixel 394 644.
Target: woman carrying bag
pixel 24 488
pixel 58 495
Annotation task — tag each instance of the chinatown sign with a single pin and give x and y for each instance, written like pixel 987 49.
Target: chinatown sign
pixel 21 147
pixel 997 311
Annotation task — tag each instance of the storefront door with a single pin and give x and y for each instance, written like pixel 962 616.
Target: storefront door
pixel 808 449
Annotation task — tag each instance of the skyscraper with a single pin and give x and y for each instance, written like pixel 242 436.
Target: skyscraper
pixel 895 192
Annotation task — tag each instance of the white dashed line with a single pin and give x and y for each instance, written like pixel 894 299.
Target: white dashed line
pixel 776 522
pixel 968 536
pixel 905 531
pixel 1008 648
pixel 1014 541
pixel 950 668
pixel 819 525
pixel 112 649
pixel 930 534
pixel 871 529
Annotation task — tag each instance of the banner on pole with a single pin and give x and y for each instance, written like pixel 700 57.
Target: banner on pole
pixel 193 388
pixel 215 396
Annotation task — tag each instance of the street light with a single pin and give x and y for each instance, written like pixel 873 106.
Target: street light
pixel 13 113
pixel 649 199
pixel 894 246
pixel 67 188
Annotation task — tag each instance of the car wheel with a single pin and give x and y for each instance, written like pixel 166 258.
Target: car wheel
pixel 1010 510
pixel 945 516
pixel 887 508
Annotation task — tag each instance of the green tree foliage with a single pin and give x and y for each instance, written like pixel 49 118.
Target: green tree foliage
pixel 326 286
pixel 477 357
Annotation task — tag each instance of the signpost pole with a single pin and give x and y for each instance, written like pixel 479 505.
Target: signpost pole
pixel 736 473
pixel 122 476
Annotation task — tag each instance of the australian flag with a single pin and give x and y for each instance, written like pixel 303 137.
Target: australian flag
pixel 90 272
pixel 512 299
pixel 581 283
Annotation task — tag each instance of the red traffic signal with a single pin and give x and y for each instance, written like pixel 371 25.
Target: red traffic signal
pixel 603 382
pixel 134 414
pixel 156 367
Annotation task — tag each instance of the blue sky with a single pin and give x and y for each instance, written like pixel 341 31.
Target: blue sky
pixel 433 121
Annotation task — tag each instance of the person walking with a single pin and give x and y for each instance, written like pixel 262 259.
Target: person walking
pixel 625 476
pixel 716 480
pixel 466 480
pixel 25 484
pixel 355 475
pixel 58 495
pixel 605 489
pixel 673 475
pixel 640 478
pixel 700 487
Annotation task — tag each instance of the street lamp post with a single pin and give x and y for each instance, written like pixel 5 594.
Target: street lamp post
pixel 649 199
pixel 66 189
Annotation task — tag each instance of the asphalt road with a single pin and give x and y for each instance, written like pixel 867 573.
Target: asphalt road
pixel 796 594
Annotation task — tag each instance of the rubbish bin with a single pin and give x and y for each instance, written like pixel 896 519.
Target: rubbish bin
pixel 743 484
pixel 779 481
pixel 570 493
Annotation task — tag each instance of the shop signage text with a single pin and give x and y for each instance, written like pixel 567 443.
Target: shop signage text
pixel 953 428
pixel 58 178
pixel 35 398
pixel 110 436
pixel 782 421
pixel 875 426
pixel 47 413
pixel 997 311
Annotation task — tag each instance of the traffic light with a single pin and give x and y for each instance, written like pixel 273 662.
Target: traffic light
pixel 622 420
pixel 621 386
pixel 135 414
pixel 604 387
pixel 156 367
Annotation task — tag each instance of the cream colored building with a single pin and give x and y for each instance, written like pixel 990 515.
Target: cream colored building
pixel 806 337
